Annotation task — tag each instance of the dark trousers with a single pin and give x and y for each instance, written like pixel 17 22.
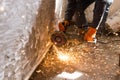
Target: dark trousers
pixel 77 8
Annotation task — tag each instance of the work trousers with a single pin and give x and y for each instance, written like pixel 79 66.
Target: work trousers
pixel 100 11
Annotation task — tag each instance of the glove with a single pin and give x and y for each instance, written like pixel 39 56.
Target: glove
pixel 63 24
pixel 90 35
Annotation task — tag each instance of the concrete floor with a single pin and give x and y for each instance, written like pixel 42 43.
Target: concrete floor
pixel 78 60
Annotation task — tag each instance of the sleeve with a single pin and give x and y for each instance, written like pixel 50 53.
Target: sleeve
pixel 71 7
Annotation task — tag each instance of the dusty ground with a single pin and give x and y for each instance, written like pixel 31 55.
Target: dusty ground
pixel 94 61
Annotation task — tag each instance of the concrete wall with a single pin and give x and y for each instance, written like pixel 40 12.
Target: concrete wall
pixel 16 20
pixel 39 41
pixel 24 36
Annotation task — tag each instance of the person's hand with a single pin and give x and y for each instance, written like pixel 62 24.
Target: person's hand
pixel 63 24
pixel 90 35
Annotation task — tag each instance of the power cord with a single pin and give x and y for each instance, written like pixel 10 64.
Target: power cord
pixel 102 42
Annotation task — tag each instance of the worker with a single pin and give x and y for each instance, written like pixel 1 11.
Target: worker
pixel 100 13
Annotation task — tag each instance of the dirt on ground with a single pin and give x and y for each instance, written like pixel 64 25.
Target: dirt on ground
pixel 98 61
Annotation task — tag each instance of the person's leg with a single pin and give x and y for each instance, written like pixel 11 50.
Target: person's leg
pixel 80 15
pixel 70 10
pixel 100 15
pixel 101 10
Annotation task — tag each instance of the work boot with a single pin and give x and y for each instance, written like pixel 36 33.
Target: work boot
pixel 62 25
pixel 83 29
pixel 90 35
